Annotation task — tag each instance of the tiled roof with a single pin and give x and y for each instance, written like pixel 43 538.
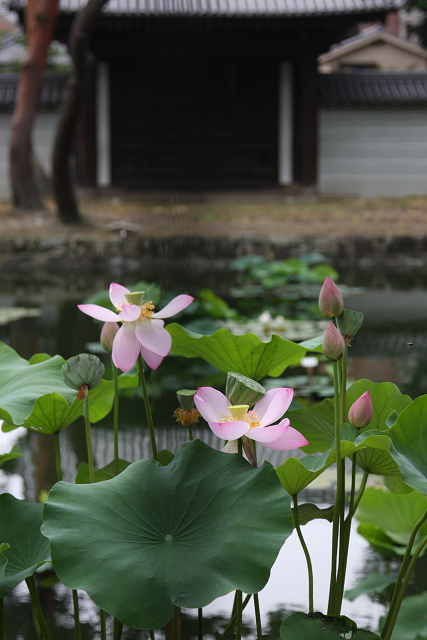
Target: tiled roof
pixel 379 89
pixel 51 96
pixel 231 8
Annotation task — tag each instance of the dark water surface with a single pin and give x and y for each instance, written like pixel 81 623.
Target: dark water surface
pixel 394 302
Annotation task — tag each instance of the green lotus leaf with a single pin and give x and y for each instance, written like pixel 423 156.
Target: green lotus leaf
pixel 29 549
pixel 373 583
pixel 379 541
pixel 395 484
pixel 308 512
pixel 15 452
pixel 52 413
pixel 411 623
pixel 183 534
pixel 296 474
pixel 313 345
pixel 396 515
pixel 316 626
pixel 245 354
pixel 317 423
pixel 22 384
pixel 386 398
pixel 105 473
pixel 409 444
pixel 3 560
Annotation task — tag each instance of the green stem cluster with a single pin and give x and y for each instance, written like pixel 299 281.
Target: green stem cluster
pixel 41 628
pixel 306 553
pixel 116 417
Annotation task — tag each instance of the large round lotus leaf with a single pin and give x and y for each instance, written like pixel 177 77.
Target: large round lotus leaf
pixel 183 534
pixel 20 527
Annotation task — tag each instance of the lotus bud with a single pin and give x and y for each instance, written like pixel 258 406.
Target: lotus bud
pixel 360 413
pixel 331 303
pixel 84 370
pixel 333 344
pixel 108 333
pixel 242 390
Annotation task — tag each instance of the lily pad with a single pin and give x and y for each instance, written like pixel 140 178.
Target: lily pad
pixel 409 444
pixel 168 535
pixel 316 626
pixel 29 549
pixel 296 474
pixel 374 583
pixel 379 541
pixel 245 354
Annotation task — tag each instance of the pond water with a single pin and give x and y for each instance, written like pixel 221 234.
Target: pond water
pixel 394 302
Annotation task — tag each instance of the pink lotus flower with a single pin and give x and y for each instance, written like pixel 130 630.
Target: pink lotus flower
pixel 142 329
pixel 233 422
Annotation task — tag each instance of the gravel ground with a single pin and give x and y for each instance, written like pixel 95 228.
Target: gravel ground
pixel 224 216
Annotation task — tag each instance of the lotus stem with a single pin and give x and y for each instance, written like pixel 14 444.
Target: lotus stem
pixel 230 625
pixel 175 622
pixel 200 624
pixel 345 538
pixel 360 492
pixel 306 553
pixel 190 432
pixel 118 628
pixel 147 406
pixel 88 436
pixel 57 456
pixel 32 588
pixel 103 625
pixel 257 617
pixel 398 602
pixel 116 417
pixel 335 527
pixel 239 611
pixel 397 587
pixel 76 615
pixel 152 635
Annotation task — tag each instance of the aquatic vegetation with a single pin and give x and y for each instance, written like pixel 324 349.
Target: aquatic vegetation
pixel 184 527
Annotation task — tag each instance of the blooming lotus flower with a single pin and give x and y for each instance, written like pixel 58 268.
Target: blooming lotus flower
pixel 331 302
pixel 360 412
pixel 233 422
pixel 142 329
pixel 333 343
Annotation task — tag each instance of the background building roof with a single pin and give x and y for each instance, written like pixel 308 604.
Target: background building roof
pixel 373 89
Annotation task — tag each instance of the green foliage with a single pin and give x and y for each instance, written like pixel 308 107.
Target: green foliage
pixel 373 583
pixel 168 534
pixel 316 626
pixel 308 512
pixel 296 474
pixel 106 473
pixel 20 527
pixel 52 413
pixel 409 444
pixel 411 622
pixel 393 518
pixel 245 354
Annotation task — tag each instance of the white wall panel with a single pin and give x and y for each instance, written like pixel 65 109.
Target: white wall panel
pixel 373 152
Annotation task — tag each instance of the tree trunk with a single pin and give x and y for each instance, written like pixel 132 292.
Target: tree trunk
pixel 40 19
pixel 62 173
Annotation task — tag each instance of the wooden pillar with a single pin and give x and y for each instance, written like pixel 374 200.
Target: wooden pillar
pixel 306 119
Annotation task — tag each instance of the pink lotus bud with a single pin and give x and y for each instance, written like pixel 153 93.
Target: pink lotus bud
pixel 331 303
pixel 333 344
pixel 108 333
pixel 360 413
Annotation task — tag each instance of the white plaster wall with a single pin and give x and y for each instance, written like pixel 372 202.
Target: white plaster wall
pixel 371 153
pixel 43 136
